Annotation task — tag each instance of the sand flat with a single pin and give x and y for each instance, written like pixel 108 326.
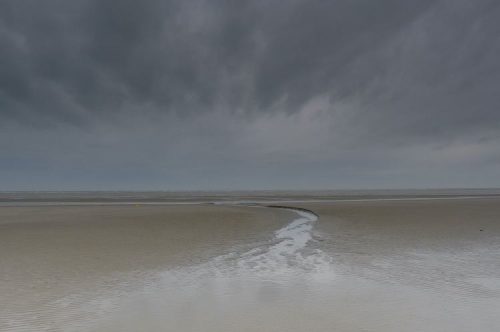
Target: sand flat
pixel 364 265
pixel 49 252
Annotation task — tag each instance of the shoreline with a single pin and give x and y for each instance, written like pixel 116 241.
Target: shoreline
pixel 231 202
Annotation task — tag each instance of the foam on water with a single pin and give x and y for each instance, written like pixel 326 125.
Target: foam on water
pixel 286 255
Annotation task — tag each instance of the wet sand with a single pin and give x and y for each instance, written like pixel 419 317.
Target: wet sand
pixel 48 253
pixel 365 265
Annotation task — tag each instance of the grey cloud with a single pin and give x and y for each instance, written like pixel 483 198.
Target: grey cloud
pixel 176 88
pixel 102 54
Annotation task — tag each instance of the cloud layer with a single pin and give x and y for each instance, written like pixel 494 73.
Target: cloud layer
pixel 249 94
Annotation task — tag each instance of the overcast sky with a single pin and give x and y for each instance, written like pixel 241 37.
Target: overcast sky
pixel 209 94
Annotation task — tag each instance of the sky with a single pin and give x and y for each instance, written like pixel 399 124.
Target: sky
pixel 262 94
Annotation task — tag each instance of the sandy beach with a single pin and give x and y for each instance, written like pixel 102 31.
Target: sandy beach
pixel 359 265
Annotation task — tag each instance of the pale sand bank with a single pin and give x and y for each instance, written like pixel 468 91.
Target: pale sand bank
pixel 426 265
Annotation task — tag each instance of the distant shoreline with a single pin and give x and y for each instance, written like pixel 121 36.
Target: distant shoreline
pixel 216 200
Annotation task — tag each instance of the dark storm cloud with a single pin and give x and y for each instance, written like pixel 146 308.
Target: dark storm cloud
pixel 344 82
pixel 63 58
